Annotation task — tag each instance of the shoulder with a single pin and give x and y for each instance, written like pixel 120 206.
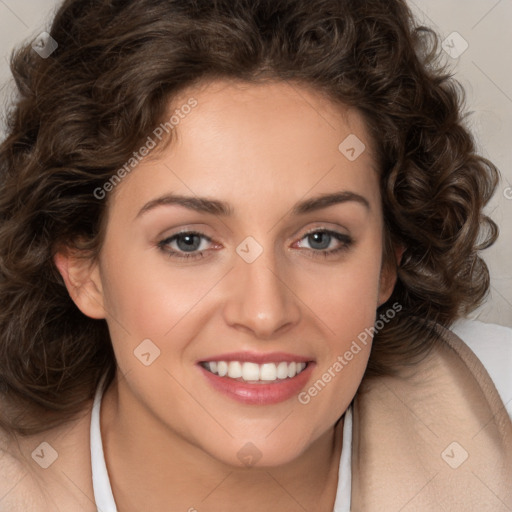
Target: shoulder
pixel 19 490
pixel 492 344
pixel 47 471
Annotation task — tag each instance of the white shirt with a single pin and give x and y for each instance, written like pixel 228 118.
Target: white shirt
pixel 491 343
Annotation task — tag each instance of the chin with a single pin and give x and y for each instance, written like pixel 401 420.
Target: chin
pixel 259 453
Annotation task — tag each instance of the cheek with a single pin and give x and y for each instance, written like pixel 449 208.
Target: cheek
pixel 344 302
pixel 146 297
pixel 350 298
pixel 343 296
pixel 348 311
pixel 142 304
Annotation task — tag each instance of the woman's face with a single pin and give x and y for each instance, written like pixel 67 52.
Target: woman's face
pixel 271 278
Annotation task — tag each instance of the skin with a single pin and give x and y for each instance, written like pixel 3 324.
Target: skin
pixel 170 440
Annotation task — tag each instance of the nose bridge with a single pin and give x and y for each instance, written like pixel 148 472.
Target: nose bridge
pixel 259 299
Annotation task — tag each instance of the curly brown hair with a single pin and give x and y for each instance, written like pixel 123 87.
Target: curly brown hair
pixel 81 111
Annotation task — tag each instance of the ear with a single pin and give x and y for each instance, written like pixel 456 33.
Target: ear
pixel 82 279
pixel 388 275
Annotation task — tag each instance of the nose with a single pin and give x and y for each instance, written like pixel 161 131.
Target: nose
pixel 260 301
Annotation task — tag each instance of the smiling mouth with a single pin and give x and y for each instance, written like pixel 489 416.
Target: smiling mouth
pixel 255 373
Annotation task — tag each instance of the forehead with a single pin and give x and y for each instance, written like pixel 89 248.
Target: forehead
pixel 240 140
pixel 283 115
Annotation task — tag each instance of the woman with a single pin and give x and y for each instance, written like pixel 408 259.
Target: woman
pixel 242 228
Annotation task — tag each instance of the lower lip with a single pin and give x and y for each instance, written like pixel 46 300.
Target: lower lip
pixel 260 394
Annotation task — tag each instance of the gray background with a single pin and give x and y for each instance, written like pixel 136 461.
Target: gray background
pixel 484 69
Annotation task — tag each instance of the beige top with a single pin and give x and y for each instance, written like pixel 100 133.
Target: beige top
pixel 436 437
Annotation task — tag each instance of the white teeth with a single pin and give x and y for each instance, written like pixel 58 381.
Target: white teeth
pixel 282 370
pixel 292 369
pixel 255 372
pixel 222 368
pixel 268 371
pixel 234 370
pixel 250 371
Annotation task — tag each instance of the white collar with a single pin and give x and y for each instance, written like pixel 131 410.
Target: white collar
pixel 103 491
pixel 100 482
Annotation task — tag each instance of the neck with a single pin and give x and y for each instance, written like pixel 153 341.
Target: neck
pixel 144 476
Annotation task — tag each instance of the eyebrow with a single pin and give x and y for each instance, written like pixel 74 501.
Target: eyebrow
pixel 223 209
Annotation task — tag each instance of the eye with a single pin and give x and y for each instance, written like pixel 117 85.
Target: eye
pixel 185 245
pixel 324 242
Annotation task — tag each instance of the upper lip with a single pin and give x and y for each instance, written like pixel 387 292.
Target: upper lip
pixel 258 357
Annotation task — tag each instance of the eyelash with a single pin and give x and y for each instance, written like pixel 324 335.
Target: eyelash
pixel 163 244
